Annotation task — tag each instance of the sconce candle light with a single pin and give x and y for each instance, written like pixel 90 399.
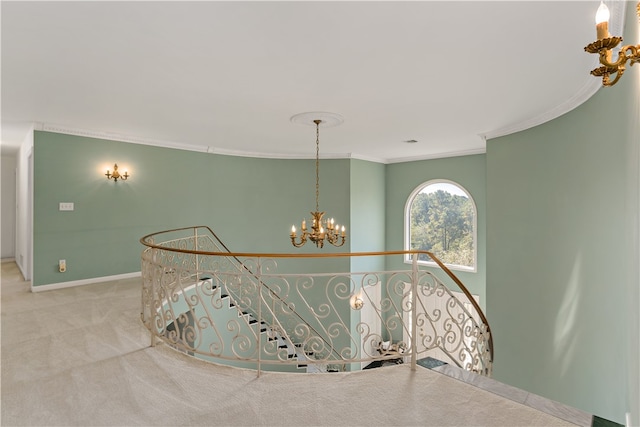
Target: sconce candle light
pixel 605 44
pixel 116 175
pixel 356 302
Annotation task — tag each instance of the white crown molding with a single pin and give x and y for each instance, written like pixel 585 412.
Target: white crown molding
pixel 470 152
pixel 281 156
pixel 589 88
pixel 357 156
pixel 111 136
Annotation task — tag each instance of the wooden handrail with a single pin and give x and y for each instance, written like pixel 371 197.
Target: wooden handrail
pixel 265 254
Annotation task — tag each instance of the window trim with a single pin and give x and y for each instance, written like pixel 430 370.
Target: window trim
pixel 407 226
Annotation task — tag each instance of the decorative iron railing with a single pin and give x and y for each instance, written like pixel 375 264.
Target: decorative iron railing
pixel 285 312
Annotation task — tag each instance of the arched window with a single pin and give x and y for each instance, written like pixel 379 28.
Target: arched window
pixel 441 217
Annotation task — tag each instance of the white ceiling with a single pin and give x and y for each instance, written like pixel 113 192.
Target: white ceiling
pixel 227 76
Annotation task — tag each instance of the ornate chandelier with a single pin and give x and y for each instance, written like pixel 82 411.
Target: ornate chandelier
pixel 603 47
pixel 321 230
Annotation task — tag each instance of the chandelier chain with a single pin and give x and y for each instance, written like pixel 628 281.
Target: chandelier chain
pixel 317 163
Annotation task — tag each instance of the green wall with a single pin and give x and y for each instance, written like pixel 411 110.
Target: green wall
pixel 249 203
pixel 404 178
pixel 631 106
pixel 367 214
pixel 368 225
pixel 562 210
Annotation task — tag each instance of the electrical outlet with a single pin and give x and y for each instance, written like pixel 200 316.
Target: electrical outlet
pixel 66 206
pixel 62 265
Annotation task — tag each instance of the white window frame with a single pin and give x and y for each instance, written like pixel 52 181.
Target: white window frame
pixel 407 226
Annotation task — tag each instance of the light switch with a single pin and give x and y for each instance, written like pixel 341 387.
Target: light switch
pixel 66 206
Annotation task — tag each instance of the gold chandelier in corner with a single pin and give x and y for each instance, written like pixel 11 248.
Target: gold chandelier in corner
pixel 603 47
pixel 321 230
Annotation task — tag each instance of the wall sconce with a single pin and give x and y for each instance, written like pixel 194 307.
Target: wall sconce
pixel 356 302
pixel 603 47
pixel 116 175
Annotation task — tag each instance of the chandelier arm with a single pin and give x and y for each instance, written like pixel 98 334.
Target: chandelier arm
pixel 303 240
pixel 606 81
pixel 618 67
pixel 623 57
pixel 634 56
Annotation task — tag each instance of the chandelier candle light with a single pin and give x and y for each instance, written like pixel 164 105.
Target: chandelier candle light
pixel 603 47
pixel 321 230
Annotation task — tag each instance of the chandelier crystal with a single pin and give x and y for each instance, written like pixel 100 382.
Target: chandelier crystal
pixel 321 230
pixel 604 45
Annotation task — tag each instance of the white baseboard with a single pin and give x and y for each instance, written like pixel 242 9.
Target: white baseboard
pixel 82 282
pixel 7 260
pixel 24 273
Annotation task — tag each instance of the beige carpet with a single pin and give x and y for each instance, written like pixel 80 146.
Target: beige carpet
pixel 80 356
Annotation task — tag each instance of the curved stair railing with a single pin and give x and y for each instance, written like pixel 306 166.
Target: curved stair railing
pixel 258 311
pixel 236 281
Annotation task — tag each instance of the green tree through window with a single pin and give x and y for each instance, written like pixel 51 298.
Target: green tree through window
pixel 442 220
